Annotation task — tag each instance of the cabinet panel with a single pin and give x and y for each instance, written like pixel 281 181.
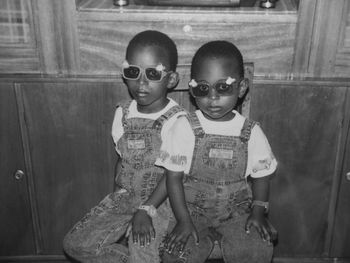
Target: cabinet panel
pixel 72 150
pixel 341 235
pixel 16 229
pixel 270 43
pixel 302 122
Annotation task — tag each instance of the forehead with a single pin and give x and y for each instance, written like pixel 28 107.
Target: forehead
pixel 213 69
pixel 148 56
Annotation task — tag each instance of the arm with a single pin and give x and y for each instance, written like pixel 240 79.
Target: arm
pixel 257 218
pixel 141 223
pixel 184 227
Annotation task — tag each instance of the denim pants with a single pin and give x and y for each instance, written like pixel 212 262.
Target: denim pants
pixel 218 198
pixel 95 237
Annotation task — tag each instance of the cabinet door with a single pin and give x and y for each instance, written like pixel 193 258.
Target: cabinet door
pixel 302 122
pixel 69 129
pixel 341 235
pixel 16 230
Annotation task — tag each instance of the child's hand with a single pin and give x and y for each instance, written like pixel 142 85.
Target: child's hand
pixel 142 228
pixel 179 236
pixel 261 224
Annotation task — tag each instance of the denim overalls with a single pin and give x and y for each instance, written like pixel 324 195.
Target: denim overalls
pixel 94 238
pixel 218 198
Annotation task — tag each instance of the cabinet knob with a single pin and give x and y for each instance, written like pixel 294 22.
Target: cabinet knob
pixel 19 174
pixel 187 28
pixel 348 176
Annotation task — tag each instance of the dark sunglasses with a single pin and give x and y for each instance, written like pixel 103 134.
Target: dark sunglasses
pixel 223 87
pixel 133 72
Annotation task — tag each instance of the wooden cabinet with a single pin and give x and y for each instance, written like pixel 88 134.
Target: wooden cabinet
pixel 59 130
pixel 66 126
pixel 305 123
pixel 16 231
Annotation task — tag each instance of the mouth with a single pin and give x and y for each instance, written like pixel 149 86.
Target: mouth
pixel 141 94
pixel 214 109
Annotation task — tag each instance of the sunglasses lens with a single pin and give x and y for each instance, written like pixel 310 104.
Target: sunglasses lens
pixel 201 90
pixel 153 74
pixel 131 72
pixel 224 89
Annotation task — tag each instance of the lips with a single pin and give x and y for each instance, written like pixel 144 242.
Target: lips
pixel 214 109
pixel 141 94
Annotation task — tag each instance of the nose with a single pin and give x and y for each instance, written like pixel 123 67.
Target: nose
pixel 213 94
pixel 143 80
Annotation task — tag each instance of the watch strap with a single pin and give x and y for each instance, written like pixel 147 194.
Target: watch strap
pixel 261 203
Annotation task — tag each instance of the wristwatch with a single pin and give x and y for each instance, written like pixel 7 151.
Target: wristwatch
pixel 261 203
pixel 150 209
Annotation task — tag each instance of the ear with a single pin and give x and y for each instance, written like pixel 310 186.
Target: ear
pixel 243 87
pixel 173 79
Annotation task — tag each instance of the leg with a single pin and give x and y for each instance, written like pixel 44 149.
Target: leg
pixel 238 246
pixel 150 253
pixel 192 253
pixel 93 239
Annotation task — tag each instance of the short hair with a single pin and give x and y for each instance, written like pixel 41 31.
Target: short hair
pixel 218 49
pixel 155 38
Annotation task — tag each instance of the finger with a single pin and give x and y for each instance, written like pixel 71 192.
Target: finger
pixel 195 236
pixel 128 230
pixel 266 234
pixel 142 239
pixel 274 235
pixel 147 238
pixel 135 239
pixel 261 233
pixel 152 233
pixel 170 242
pixel 248 226
pixel 182 247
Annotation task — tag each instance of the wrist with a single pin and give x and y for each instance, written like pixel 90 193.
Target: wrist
pixel 149 209
pixel 258 206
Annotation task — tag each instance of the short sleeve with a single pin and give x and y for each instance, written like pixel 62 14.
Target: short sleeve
pixel 261 160
pixel 177 147
pixel 117 127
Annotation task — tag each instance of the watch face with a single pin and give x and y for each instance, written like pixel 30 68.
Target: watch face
pixel 152 210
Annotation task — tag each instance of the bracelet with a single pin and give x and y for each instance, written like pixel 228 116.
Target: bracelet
pixel 150 209
pixel 261 203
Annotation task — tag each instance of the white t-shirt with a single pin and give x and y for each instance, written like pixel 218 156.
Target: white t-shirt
pixel 118 129
pixel 179 145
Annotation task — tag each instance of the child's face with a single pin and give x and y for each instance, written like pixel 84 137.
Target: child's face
pixel 215 106
pixel 150 96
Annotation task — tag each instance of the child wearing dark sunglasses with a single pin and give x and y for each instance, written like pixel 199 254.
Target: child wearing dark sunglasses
pixel 218 168
pixel 136 208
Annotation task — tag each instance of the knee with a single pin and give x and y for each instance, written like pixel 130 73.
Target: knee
pixel 71 244
pixel 252 251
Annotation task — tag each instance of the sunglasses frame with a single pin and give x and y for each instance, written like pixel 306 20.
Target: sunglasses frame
pixel 229 81
pixel 159 68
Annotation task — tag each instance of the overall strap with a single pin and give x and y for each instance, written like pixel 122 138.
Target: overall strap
pixel 125 108
pixel 195 124
pixel 158 123
pixel 247 129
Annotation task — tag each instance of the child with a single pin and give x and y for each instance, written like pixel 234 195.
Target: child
pixel 211 157
pixel 138 129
